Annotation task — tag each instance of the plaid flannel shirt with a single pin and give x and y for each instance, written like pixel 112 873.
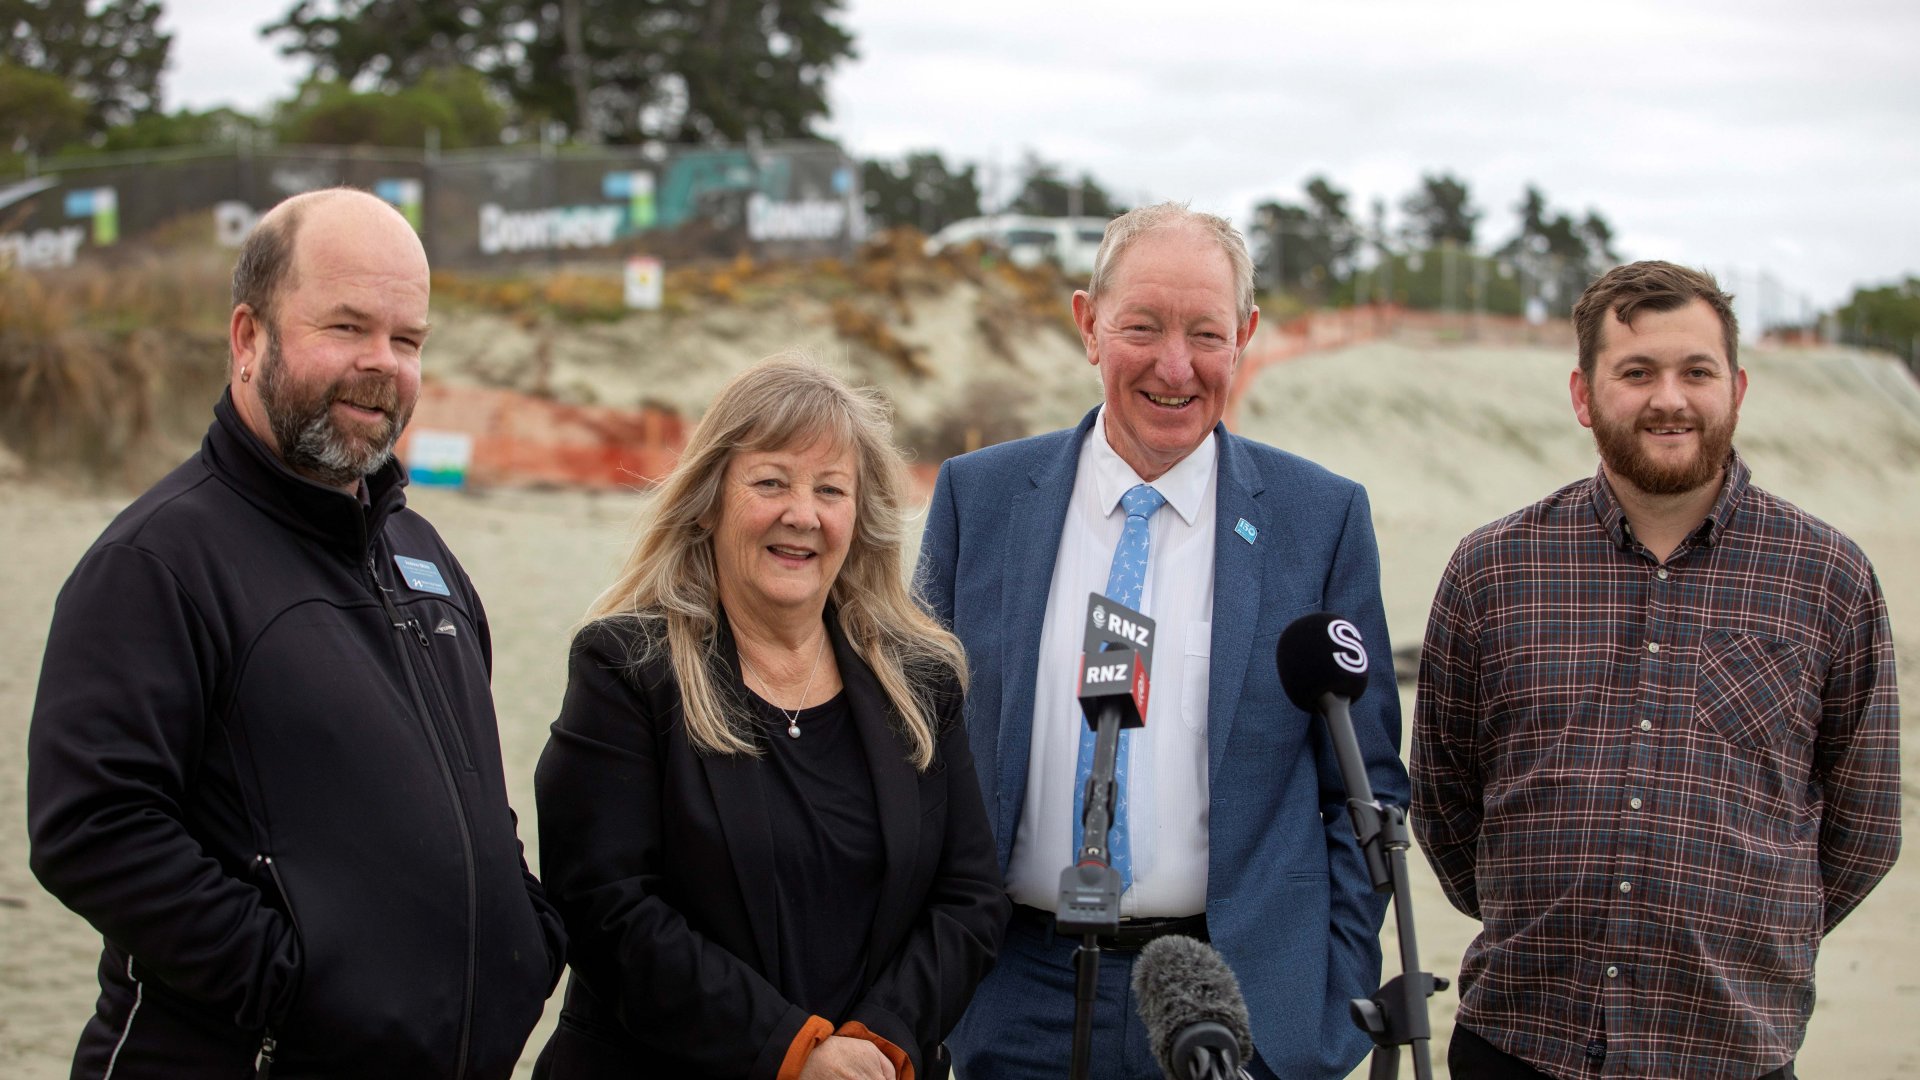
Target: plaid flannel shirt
pixel 1655 785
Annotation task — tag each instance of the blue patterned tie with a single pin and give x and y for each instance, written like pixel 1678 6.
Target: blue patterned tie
pixel 1124 584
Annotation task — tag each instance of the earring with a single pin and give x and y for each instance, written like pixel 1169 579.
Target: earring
pixel 246 375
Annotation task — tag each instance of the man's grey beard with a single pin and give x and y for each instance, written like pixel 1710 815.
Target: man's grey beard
pixel 310 443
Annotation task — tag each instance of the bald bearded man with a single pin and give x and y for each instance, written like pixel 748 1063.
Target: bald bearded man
pixel 263 760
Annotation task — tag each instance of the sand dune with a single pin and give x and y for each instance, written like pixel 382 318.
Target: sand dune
pixel 1444 438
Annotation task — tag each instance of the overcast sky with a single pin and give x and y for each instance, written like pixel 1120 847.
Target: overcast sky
pixel 1764 136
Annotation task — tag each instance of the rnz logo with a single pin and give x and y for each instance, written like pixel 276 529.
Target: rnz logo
pixel 1350 654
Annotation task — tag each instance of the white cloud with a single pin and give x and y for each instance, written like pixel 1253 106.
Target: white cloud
pixel 219 57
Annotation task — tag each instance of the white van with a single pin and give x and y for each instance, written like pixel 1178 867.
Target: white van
pixel 1069 243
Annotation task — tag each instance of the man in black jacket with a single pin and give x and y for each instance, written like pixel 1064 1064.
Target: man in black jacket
pixel 263 760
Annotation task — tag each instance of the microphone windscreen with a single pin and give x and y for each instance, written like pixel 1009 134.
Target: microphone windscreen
pixel 1320 654
pixel 1179 982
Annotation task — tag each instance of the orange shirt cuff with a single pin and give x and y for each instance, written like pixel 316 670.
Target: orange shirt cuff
pixel 811 1035
pixel 902 1064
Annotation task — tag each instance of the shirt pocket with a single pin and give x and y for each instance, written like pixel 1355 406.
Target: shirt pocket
pixel 1750 688
pixel 1196 670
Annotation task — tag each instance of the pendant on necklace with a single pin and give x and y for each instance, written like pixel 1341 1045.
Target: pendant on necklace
pixel 793 729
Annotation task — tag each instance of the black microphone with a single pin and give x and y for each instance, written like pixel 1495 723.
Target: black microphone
pixel 1115 657
pixel 1320 654
pixel 1190 1002
pixel 1323 669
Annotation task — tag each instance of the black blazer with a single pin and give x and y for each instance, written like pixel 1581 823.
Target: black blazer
pixel 658 856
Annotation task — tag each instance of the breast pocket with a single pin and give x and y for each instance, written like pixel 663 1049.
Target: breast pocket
pixel 1195 672
pixel 1750 687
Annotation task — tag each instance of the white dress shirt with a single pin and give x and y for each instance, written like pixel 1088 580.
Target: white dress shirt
pixel 1167 759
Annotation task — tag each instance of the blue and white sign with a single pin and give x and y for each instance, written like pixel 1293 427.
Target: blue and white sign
pixel 439 458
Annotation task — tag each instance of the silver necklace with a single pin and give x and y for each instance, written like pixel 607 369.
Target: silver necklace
pixel 793 718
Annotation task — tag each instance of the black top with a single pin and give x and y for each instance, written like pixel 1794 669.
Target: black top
pixel 827 853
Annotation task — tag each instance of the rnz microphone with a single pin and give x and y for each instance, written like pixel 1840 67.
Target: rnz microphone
pixel 1115 656
pixel 1190 1002
pixel 1323 669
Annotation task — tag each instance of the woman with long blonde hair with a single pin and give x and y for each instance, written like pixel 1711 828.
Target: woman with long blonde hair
pixel 758 812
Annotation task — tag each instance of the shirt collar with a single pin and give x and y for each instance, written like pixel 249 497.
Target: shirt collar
pixel 1184 486
pixel 1613 518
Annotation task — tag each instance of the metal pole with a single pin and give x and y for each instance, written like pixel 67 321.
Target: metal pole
pixel 1280 253
pixel 1479 294
pixel 1086 969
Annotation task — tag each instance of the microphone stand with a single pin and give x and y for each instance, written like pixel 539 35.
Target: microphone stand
pixel 1396 1016
pixel 1113 695
pixel 1090 889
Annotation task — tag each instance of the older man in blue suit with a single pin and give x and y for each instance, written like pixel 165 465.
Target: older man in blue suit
pixel 1232 815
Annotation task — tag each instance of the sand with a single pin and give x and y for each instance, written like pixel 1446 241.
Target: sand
pixel 1445 439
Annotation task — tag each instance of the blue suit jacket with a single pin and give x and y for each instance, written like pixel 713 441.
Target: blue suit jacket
pixel 1288 901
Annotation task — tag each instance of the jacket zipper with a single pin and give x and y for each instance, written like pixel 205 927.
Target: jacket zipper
pixel 270 1043
pixel 443 717
pixel 452 782
pixel 454 735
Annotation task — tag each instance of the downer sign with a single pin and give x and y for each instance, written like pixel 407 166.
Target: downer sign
pixel 552 229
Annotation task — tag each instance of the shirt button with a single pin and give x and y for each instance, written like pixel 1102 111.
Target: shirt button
pixel 1646 725
pixel 1653 646
pixel 1634 802
pixel 1612 972
pixel 1661 573
pixel 1626 886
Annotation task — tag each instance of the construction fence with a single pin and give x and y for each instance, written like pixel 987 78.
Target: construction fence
pixel 499 206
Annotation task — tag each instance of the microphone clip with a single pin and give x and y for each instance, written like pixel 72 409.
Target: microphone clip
pixel 1089 898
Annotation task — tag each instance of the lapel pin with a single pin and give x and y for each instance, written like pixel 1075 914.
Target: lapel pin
pixel 1247 531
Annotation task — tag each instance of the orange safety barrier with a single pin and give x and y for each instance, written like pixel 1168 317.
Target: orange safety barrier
pixel 1315 331
pixel 1319 331
pixel 520 440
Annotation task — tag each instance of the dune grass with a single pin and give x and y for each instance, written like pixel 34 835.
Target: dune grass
pixel 107 368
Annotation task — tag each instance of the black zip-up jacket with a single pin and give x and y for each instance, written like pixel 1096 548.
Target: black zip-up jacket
pixel 264 765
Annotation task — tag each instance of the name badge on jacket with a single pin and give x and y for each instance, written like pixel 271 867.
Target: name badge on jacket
pixel 421 575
